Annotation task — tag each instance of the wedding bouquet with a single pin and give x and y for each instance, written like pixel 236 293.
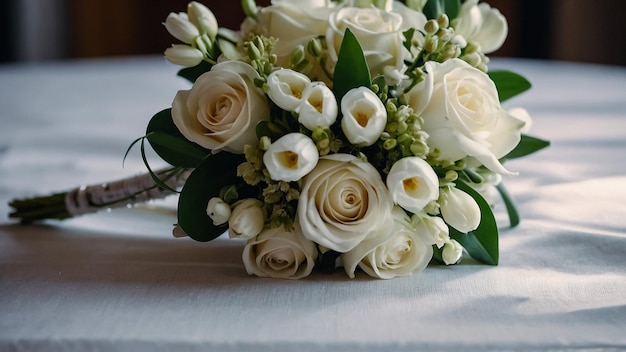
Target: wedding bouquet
pixel 360 134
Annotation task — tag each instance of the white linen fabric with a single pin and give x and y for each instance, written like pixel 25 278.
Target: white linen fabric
pixel 118 281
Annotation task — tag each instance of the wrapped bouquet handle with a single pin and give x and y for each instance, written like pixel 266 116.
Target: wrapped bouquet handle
pixel 103 196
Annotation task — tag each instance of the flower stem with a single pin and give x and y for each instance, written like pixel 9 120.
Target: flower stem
pixel 90 199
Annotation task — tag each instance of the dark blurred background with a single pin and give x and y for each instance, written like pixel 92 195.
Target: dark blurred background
pixel 570 30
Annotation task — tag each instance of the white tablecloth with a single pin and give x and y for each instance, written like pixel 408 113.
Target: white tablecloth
pixel 119 281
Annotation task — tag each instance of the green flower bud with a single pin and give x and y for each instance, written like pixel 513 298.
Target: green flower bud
pixel 431 27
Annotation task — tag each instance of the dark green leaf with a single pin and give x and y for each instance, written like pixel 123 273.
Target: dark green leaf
pixel 192 73
pixel 526 146
pixel 351 70
pixel 509 204
pixel 153 175
pixel 509 84
pixel 438 254
pixel 482 243
pixel 408 38
pixel 170 144
pixel 204 183
pixel 434 8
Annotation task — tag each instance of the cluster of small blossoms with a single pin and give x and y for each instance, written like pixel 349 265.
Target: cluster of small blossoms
pixel 259 55
pixel 311 58
pixel 197 29
pixel 279 197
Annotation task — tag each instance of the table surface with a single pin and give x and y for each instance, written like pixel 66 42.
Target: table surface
pixel 119 281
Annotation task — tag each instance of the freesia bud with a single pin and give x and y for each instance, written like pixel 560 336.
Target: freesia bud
pixel 247 219
pixel 183 55
pixel 412 183
pixel 432 229
pixel 364 116
pixel 452 252
pixel 285 88
pixel 291 157
pixel 218 211
pixel 460 210
pixel 181 28
pixel 318 107
pixel 202 18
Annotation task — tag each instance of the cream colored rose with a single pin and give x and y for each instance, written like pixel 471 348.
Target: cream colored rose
pixel 464 118
pixel 222 109
pixel 401 252
pixel 293 23
pixel 343 202
pixel 279 253
pixel 481 24
pixel 379 33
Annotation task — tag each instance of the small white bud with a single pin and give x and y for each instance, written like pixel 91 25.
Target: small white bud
pixel 202 18
pixel 452 252
pixel 183 55
pixel 218 211
pixel 181 28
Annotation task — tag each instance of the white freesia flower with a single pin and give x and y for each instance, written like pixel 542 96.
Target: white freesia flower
pixel 318 107
pixel 183 55
pixel 291 157
pixel 412 183
pixel 452 252
pixel 463 116
pixel 285 88
pixel 279 253
pixel 459 209
pixel 379 33
pixel 398 253
pixel 364 116
pixel 222 109
pixel 247 219
pixel 179 26
pixel 202 18
pixel 482 24
pixel 432 229
pixel 343 202
pixel 218 211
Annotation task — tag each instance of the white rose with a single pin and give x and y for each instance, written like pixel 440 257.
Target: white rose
pixel 401 252
pixel 482 24
pixel 364 116
pixel 247 219
pixel 379 33
pixel 285 88
pixel 279 253
pixel 452 252
pixel 222 109
pixel 464 117
pixel 218 211
pixel 179 26
pixel 412 183
pixel 293 23
pixel 432 229
pixel 291 157
pixel 318 107
pixel 459 209
pixel 343 201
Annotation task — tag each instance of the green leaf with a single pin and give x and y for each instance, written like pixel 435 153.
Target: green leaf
pixel 482 243
pixel 408 38
pixel 205 182
pixel 434 8
pixel 509 84
pixel 192 73
pixel 509 204
pixel 170 144
pixel 351 70
pixel 526 146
